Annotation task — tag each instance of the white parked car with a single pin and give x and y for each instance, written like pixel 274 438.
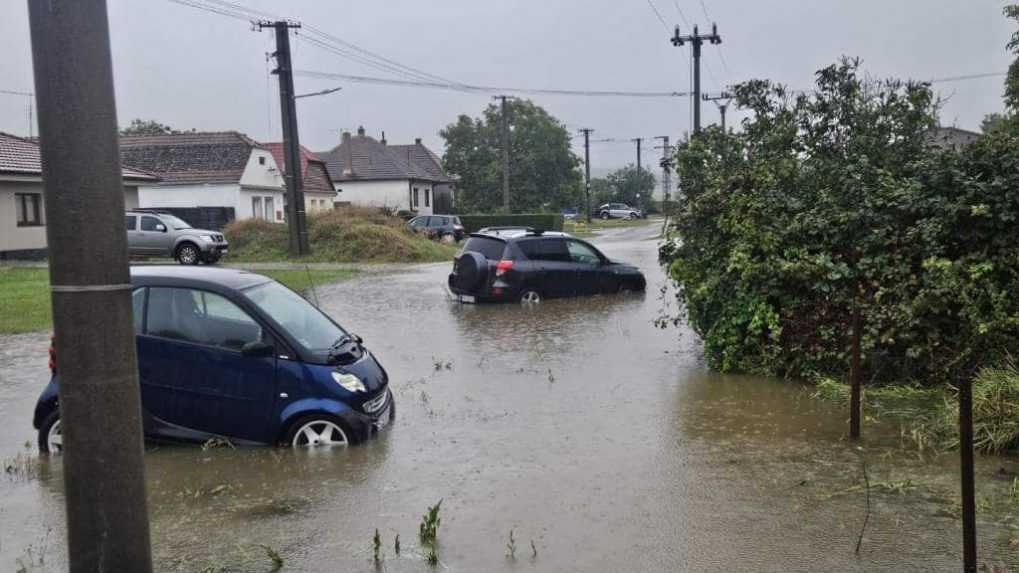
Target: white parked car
pixel 618 211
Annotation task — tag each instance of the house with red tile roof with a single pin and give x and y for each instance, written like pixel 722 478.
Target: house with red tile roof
pixel 22 209
pixel 319 192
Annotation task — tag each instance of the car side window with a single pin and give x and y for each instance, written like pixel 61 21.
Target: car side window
pixel 545 250
pixel 581 253
pixel 138 309
pixel 200 317
pixel 149 223
pixel 130 222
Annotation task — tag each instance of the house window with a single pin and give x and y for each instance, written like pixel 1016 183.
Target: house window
pixel 256 207
pixel 29 207
pixel 428 193
pixel 269 209
pixel 279 215
pixel 261 160
pixel 415 197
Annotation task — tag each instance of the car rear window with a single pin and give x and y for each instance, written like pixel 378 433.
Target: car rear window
pixel 491 248
pixel 544 249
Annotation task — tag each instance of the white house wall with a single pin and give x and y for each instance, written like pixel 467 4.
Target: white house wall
pixel 15 238
pixel 262 171
pixel 394 194
pixel 155 196
pixel 245 206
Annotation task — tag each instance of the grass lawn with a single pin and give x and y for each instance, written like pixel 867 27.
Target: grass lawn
pixel 25 293
pixel 580 228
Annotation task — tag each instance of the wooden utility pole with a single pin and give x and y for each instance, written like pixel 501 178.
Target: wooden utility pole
pixel 587 171
pixel 968 490
pixel 291 143
pixel 100 408
pixel 697 40
pixel 505 132
pixel 666 164
pixel 855 376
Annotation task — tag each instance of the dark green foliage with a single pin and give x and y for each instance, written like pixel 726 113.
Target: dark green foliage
pixel 543 221
pixel 623 186
pixel 833 200
pixel 147 127
pixel 1012 79
pixel 544 172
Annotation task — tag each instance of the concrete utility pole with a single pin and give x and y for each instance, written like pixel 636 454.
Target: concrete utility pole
pixel 100 411
pixel 638 140
pixel 587 171
pixel 697 40
pixel 722 100
pixel 504 126
pixel 291 143
pixel 666 164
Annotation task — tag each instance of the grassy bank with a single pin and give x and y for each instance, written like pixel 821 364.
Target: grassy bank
pixel 343 235
pixel 581 228
pixel 929 417
pixel 25 294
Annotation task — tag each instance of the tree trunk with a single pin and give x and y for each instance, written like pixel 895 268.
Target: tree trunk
pixel 969 531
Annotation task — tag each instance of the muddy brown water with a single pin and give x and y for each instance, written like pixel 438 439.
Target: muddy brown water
pixel 577 424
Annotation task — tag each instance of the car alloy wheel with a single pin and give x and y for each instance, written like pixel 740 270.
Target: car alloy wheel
pixel 318 433
pixel 55 439
pixel 530 297
pixel 605 216
pixel 187 255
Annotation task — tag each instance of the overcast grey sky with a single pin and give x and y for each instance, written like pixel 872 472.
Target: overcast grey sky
pixel 193 69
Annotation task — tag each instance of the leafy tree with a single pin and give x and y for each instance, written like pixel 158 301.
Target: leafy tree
pixel 544 173
pixel 1012 79
pixel 146 127
pixel 992 122
pixel 829 214
pixel 631 187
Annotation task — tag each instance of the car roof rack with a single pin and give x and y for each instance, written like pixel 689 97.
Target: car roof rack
pixel 150 210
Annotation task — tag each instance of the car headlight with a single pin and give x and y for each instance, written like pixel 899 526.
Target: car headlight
pixel 349 382
pixel 207 238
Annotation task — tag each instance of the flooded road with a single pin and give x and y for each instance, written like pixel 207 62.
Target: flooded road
pixel 577 424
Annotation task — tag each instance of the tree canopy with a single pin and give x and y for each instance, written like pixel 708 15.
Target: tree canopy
pixel 544 172
pixel 836 202
pixel 623 186
pixel 146 127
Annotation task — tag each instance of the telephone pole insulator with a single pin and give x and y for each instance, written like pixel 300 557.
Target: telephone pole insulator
pixel 696 40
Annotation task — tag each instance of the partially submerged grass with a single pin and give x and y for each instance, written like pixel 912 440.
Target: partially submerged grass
pixel 929 416
pixel 25 294
pixel 342 235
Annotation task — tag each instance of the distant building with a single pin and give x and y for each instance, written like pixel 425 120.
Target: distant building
pixel 952 137
pixel 319 192
pixel 369 172
pixel 22 213
pixel 208 171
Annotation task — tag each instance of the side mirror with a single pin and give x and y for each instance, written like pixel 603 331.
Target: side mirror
pixel 357 338
pixel 161 227
pixel 257 348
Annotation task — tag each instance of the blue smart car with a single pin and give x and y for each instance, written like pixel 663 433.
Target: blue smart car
pixel 231 354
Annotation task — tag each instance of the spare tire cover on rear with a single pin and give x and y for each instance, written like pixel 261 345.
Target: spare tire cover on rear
pixel 471 269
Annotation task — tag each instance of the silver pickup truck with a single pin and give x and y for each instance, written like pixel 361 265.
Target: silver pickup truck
pixel 159 234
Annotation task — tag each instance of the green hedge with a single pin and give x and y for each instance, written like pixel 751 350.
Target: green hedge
pixel 543 221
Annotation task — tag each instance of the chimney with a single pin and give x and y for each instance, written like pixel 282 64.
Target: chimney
pixel 383 140
pixel 417 141
pixel 348 152
pixel 360 131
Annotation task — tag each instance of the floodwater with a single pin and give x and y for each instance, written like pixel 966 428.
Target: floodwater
pixel 577 424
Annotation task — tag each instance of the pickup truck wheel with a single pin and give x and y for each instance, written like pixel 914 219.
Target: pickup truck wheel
pixel 633 216
pixel 605 215
pixel 188 254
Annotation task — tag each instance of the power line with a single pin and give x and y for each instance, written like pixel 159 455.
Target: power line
pixel 468 88
pixel 966 77
pixel 657 13
pixel 16 93
pixel 682 16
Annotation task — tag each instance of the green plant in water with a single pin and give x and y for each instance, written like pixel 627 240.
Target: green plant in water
pixel 1013 490
pixel 534 550
pixel 274 557
pixel 396 544
pixel 511 547
pixel 376 546
pixel 429 528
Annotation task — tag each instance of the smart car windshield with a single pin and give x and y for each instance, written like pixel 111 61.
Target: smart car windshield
pixel 307 324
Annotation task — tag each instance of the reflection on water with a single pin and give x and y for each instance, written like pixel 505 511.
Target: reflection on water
pixel 576 423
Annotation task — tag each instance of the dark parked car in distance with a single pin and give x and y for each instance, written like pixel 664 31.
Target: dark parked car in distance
pixel 529 266
pixel 232 354
pixel 438 226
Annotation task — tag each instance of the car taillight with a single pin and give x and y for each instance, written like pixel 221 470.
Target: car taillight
pixel 53 355
pixel 502 266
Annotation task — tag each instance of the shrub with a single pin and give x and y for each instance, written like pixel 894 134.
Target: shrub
pixel 543 221
pixel 349 234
